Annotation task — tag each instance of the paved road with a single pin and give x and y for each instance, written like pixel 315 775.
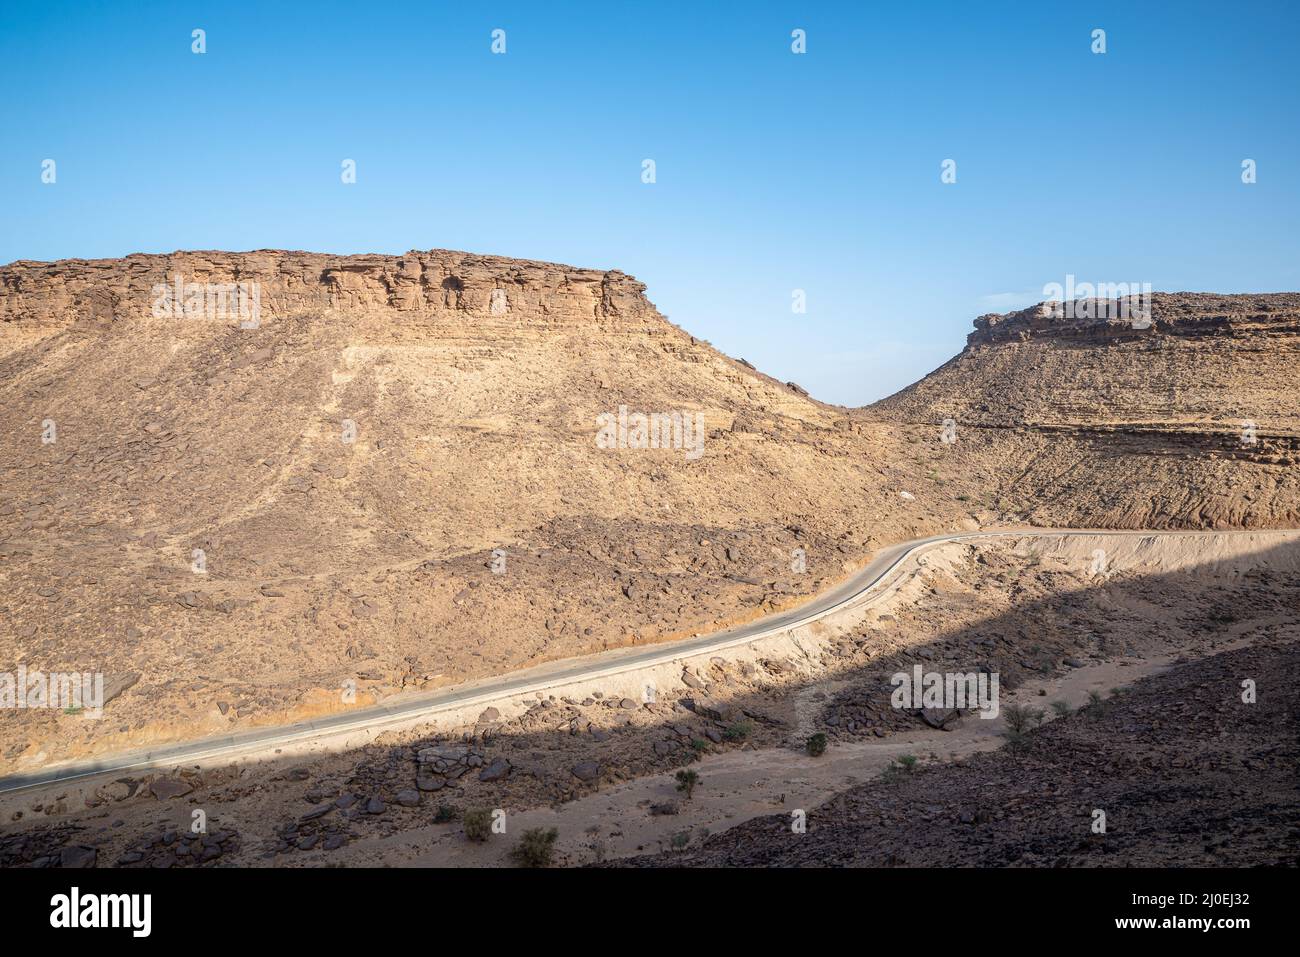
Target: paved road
pixel 861 587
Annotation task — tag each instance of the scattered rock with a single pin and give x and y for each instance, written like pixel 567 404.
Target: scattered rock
pixel 164 789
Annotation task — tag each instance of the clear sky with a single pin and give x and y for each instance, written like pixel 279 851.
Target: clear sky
pixel 775 171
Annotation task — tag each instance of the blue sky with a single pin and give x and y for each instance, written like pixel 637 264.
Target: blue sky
pixel 775 171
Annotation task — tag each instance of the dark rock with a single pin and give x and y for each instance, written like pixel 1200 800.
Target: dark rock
pixel 316 812
pixel 430 782
pixel 944 719
pixel 77 856
pixel 164 789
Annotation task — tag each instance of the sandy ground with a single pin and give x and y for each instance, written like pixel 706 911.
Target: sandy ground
pixel 733 788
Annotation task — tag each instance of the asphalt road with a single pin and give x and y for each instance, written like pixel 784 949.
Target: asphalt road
pixel 405 708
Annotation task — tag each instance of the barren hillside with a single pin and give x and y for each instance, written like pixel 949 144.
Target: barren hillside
pixel 1192 421
pixel 396 479
pixel 473 386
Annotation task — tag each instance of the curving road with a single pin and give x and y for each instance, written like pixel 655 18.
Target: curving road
pixel 863 587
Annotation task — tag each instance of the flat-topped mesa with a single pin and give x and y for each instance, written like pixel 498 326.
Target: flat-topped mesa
pixel 1090 321
pixel 436 284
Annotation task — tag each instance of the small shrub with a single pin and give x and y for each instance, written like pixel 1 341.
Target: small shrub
pixel 686 781
pixel 445 813
pixel 907 762
pixel 680 840
pixel 1020 717
pixel 817 745
pixel 738 731
pixel 535 847
pixel 1096 703
pixel 477 823
pixel 1062 709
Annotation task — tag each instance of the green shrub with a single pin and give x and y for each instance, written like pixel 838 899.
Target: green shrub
pixel 477 823
pixel 535 847
pixel 1062 708
pixel 738 731
pixel 817 745
pixel 1020 717
pixel 686 781
pixel 445 813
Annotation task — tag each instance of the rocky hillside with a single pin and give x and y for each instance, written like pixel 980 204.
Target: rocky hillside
pixel 394 477
pixel 1203 365
pixel 239 482
pixel 1190 419
pixel 1186 775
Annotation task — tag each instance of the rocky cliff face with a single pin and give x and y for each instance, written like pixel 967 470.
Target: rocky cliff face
pixel 435 285
pixel 1101 322
pixel 1189 418
pixel 1202 364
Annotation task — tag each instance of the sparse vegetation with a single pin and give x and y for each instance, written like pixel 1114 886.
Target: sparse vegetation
pixel 817 744
pixel 477 823
pixel 536 847
pixel 1062 708
pixel 445 813
pixel 738 731
pixel 906 762
pixel 686 782
pixel 1021 717
pixel 680 840
pixel 1096 705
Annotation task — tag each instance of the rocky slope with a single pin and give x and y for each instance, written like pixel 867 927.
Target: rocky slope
pixel 1190 420
pixel 394 479
pixel 1186 774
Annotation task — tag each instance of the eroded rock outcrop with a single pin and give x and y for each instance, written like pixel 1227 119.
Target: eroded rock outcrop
pixel 437 283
